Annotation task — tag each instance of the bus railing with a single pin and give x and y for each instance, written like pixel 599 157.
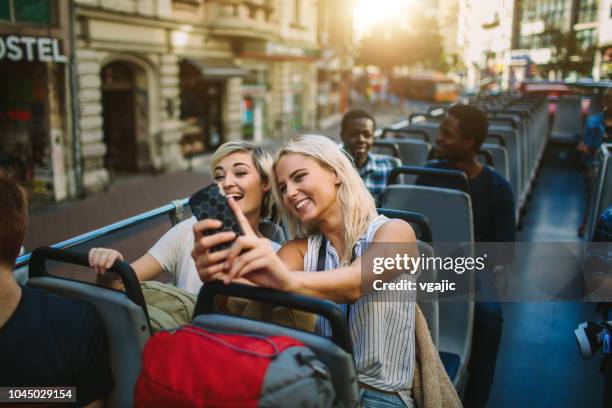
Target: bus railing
pixel 174 210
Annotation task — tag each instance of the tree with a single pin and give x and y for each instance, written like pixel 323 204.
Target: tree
pixel 568 54
pixel 402 43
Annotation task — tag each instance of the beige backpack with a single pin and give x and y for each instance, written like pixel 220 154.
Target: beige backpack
pixel 168 305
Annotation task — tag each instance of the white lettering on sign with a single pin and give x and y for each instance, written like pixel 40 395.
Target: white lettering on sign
pixel 26 48
pixel 14 52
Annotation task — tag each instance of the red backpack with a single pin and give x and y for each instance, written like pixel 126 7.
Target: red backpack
pixel 193 367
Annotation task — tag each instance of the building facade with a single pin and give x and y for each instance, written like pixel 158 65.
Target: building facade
pixel 35 100
pixel 337 50
pixel 484 36
pixel 540 26
pixel 448 23
pixel 602 68
pixel 162 79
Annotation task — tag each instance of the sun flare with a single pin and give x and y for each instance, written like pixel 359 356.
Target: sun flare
pixel 368 13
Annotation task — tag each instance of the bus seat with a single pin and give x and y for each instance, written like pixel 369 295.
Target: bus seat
pixel 428 303
pixel 515 165
pixel 412 152
pixel 405 133
pixel 485 157
pixel 449 211
pixel 567 124
pixel 500 159
pixel 126 322
pixel 338 359
pixel 450 215
pixel 451 363
pixel 21 275
pixel 495 139
pixel 431 128
pixel 386 147
pixel 601 194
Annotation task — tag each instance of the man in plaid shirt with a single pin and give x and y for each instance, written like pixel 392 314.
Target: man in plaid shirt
pixel 357 133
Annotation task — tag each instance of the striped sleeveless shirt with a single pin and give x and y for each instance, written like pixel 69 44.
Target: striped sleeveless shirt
pixel 381 324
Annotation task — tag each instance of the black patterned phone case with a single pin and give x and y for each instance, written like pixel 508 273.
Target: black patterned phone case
pixel 210 203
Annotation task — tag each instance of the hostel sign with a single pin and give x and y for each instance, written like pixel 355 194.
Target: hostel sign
pixel 26 48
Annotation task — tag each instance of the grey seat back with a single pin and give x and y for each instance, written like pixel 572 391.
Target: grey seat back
pixel 449 211
pixel 339 362
pixel 500 159
pixel 515 162
pixel 124 314
pixel 567 124
pixel 429 303
pixel 21 275
pixel 431 128
pixel 385 147
pixel 412 152
pixel 126 326
pixel 405 133
pixel 450 217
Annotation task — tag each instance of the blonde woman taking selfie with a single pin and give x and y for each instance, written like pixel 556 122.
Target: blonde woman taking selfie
pixel 325 204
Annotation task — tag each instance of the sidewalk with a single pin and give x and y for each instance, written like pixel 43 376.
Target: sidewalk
pixel 132 195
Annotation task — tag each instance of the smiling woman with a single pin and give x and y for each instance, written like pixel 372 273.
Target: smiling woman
pixel 241 171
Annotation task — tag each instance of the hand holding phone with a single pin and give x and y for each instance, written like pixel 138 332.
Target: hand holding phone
pixel 210 203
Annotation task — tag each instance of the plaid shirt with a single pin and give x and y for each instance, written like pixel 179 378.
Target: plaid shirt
pixel 376 172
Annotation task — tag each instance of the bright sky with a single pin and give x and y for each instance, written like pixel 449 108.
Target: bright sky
pixel 370 12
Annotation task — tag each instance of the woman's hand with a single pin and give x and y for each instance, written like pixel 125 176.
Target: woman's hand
pixel 210 265
pixel 252 258
pixel 101 260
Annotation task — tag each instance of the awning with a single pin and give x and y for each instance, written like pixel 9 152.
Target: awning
pixel 217 68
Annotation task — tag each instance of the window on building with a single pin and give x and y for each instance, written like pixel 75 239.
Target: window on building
pixel 588 11
pixel 586 38
pixel 27 11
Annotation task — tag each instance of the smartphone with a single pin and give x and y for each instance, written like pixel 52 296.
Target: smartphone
pixel 210 202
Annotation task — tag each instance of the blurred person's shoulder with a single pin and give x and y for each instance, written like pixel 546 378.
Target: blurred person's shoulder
pixel 603 228
pixel 595 119
pixel 62 314
pixel 499 181
pixel 438 164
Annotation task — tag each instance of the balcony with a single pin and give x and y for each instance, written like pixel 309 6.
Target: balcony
pixel 241 19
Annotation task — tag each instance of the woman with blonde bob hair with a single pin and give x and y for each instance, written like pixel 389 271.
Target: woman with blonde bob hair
pixel 242 171
pixel 333 220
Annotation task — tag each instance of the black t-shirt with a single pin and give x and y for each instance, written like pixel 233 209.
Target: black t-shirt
pixel 53 341
pixel 492 203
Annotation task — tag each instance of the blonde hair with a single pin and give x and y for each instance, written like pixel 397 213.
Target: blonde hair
pixel 261 159
pixel 358 207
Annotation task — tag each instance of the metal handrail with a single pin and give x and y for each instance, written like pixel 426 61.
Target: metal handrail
pixel 169 209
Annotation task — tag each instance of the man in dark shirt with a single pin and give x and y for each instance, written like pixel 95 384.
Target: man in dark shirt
pixel 45 340
pixel 357 133
pixel 462 130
